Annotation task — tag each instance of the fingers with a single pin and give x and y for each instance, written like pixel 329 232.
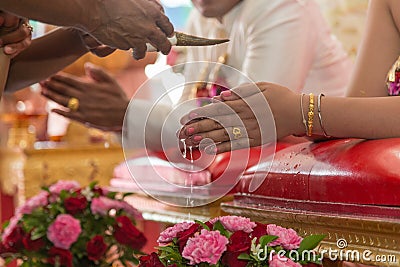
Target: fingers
pixel 10 21
pixel 214 110
pixel 206 125
pixel 139 50
pixel 56 97
pixel 65 83
pixel 218 136
pixel 159 40
pixel 14 49
pixel 161 19
pixel 97 73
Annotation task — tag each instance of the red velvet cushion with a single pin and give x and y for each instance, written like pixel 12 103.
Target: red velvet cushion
pixel 347 170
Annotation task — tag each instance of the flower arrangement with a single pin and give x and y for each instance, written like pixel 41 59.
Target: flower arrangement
pixel 66 225
pixel 232 241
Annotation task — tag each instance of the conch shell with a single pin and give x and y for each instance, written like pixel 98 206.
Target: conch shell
pixel 183 39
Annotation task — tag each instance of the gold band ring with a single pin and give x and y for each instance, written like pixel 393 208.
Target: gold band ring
pixel 73 104
pixel 237 133
pixel 30 28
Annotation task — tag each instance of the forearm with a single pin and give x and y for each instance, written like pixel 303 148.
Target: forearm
pixel 73 13
pixel 369 118
pixel 46 56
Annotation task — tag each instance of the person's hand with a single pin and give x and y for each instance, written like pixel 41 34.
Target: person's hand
pixel 102 102
pixel 133 23
pixel 246 116
pixel 15 34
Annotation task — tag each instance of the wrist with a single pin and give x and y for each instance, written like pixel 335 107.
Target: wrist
pixel 299 111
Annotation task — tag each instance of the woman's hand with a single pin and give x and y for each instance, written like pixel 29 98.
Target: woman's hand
pixel 15 34
pixel 101 101
pixel 250 115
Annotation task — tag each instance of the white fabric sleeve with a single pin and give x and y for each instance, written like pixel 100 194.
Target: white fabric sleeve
pixel 145 122
pixel 281 45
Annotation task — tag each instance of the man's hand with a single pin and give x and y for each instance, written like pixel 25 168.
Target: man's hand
pixel 129 24
pixel 15 34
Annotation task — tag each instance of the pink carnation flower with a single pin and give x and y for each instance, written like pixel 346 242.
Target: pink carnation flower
pixel 207 246
pixel 278 261
pixel 288 238
pixel 63 185
pixel 170 233
pixel 235 223
pixel 40 200
pixel 64 231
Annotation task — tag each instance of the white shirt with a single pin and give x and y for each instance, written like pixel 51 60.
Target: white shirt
pixel 280 41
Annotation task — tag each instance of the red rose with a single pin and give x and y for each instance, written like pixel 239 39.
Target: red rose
pixel 33 245
pixel 239 243
pixel 98 190
pixel 185 235
pixel 259 231
pixel 75 205
pixel 96 248
pixel 60 257
pixel 127 234
pixel 231 259
pixel 13 241
pixel 151 260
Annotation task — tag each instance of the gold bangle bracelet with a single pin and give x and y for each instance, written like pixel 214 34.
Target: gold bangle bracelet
pixel 320 116
pixel 310 114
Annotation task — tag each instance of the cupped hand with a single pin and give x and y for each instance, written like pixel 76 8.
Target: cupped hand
pixel 246 116
pixel 15 35
pixel 131 24
pixel 102 102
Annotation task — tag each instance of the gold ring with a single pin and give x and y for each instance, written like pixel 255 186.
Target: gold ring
pixel 73 104
pixel 237 133
pixel 30 28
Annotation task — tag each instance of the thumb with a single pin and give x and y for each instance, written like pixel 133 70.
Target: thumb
pixel 97 73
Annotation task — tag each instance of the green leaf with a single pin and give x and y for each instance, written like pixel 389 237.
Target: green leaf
pixel 310 242
pixel 203 225
pixel 244 256
pixel 266 239
pixel 93 184
pixel 219 227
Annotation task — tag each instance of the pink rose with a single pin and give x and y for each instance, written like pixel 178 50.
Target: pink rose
pixel 130 210
pixel 171 232
pixel 40 200
pixel 64 185
pixel 288 238
pixel 102 205
pixel 235 223
pixel 280 261
pixel 207 246
pixel 64 231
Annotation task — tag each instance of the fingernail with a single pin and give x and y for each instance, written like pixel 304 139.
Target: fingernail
pixel 190 130
pixel 9 50
pixel 226 93
pixel 197 138
pixel 193 115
